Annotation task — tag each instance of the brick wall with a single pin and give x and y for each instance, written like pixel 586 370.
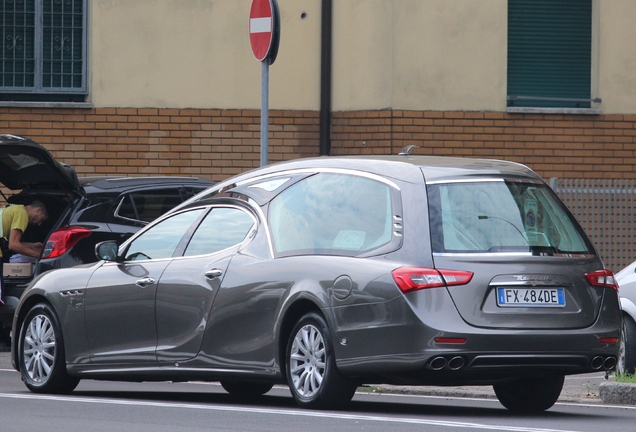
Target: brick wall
pixel 554 145
pixel 207 143
pixel 218 143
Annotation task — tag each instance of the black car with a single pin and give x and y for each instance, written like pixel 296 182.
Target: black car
pixel 82 212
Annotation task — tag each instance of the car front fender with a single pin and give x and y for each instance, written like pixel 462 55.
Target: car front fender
pixel 628 307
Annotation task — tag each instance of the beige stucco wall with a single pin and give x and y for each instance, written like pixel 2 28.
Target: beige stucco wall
pixel 400 54
pixel 450 55
pixel 421 55
pixel 362 54
pixel 196 54
pixel 617 56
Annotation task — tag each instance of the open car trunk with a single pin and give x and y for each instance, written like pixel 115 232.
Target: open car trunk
pixel 29 172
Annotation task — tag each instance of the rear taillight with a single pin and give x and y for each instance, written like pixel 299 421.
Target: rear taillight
pixel 63 239
pixel 450 340
pixel 416 278
pixel 602 278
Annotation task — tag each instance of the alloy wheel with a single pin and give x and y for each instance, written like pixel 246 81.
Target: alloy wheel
pixel 39 347
pixel 307 361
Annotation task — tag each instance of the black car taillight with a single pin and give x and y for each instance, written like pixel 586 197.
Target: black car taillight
pixel 415 278
pixel 63 239
pixel 602 278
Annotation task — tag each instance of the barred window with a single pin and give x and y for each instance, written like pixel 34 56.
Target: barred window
pixel 43 52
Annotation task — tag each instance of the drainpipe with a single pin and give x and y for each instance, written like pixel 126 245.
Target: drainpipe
pixel 325 78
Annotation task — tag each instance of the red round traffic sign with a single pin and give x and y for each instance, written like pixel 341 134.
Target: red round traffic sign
pixel 262 28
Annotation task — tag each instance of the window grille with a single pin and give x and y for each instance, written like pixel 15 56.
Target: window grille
pixel 43 48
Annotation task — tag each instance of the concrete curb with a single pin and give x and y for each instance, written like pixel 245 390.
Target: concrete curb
pixel 617 393
pixel 568 395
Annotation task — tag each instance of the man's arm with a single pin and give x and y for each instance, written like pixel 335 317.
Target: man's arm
pixel 28 249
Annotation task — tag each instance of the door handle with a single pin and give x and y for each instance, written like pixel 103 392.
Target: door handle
pixel 214 273
pixel 145 282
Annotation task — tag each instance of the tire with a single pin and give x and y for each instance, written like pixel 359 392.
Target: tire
pixel 627 355
pixel 41 353
pixel 530 394
pixel 246 390
pixel 312 375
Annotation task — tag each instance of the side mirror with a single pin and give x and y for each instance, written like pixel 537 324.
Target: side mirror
pixel 106 250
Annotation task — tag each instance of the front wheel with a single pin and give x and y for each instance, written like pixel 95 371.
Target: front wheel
pixel 313 377
pixel 530 394
pixel 627 355
pixel 41 353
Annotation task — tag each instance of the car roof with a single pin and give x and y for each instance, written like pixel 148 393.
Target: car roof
pixel 403 167
pixel 108 183
pixel 412 169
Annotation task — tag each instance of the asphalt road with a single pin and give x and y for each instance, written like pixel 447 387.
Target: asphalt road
pixel 139 407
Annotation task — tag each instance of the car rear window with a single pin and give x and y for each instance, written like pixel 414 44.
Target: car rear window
pixel 502 216
pixel 148 205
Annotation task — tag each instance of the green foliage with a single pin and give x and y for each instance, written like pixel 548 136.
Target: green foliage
pixel 626 378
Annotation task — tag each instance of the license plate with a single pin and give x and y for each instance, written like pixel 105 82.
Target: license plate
pixel 530 297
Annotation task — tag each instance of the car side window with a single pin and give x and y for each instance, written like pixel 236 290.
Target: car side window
pixel 148 205
pixel 335 214
pixel 222 228
pixel 162 240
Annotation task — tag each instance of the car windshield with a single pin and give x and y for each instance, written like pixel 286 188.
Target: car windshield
pixel 502 216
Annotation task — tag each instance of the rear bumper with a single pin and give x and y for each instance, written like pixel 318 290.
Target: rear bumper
pixel 411 351
pixel 471 368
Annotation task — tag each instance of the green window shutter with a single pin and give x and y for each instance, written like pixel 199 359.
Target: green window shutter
pixel 549 53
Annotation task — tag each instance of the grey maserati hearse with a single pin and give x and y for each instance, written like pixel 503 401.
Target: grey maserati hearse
pixel 328 273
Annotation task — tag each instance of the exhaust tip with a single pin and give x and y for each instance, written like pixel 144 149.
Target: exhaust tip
pixel 609 363
pixel 597 362
pixel 456 363
pixel 438 363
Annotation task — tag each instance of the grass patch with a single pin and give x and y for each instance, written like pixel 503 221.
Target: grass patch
pixel 625 378
pixel 371 389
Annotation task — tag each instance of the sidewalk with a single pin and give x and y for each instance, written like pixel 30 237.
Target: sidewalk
pixel 577 389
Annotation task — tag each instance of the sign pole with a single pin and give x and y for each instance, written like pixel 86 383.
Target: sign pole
pixel 264 111
pixel 264 38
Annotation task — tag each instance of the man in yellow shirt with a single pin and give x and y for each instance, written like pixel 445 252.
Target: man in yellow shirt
pixel 14 221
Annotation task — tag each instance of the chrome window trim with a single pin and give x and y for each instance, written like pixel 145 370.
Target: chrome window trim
pixel 118 216
pixel 485 180
pixel 577 256
pixel 248 235
pixel 319 171
pixel 484 254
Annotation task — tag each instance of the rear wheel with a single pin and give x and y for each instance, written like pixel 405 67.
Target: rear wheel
pixel 246 390
pixel 530 394
pixel 314 380
pixel 41 353
pixel 627 355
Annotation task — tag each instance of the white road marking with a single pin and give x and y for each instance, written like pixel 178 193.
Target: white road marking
pixel 288 412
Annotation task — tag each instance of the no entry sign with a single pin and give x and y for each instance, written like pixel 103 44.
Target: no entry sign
pixel 264 29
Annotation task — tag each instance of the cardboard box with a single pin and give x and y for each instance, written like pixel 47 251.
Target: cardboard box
pixel 17 269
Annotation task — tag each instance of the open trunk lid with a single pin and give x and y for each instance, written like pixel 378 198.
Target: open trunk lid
pixel 26 165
